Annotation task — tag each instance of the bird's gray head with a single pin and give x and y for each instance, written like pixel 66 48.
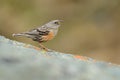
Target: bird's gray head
pixel 54 23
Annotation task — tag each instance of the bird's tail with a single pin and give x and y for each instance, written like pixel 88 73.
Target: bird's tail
pixel 21 34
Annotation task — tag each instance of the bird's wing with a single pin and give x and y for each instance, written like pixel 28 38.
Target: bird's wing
pixel 38 31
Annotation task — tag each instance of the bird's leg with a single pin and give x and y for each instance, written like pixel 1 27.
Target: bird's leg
pixel 43 47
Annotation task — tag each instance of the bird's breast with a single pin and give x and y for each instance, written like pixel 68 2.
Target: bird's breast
pixel 48 37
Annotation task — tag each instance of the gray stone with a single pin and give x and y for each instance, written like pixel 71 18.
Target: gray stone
pixel 18 62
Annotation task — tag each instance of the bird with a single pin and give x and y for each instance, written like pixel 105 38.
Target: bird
pixel 42 33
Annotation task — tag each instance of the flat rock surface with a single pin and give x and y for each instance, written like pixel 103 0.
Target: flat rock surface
pixel 19 61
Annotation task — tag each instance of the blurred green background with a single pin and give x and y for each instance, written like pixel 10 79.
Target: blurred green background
pixel 90 28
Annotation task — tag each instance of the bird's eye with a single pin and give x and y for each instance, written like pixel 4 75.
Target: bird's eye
pixel 56 23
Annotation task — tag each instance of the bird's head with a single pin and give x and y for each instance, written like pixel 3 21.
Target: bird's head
pixel 54 23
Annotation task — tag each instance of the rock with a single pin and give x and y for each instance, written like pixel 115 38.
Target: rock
pixel 19 61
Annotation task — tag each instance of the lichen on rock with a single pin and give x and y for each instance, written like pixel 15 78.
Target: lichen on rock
pixel 18 62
